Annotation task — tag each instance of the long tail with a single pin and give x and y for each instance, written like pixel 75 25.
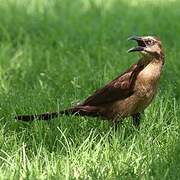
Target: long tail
pixel 79 110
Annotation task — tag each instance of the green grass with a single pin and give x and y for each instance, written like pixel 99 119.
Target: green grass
pixel 53 54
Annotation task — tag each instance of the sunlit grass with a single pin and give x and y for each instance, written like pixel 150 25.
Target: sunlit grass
pixel 53 54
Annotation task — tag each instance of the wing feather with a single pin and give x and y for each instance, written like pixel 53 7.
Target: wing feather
pixel 117 89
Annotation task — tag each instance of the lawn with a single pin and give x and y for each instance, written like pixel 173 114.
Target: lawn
pixel 54 54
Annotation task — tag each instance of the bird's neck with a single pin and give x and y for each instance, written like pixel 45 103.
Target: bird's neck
pixel 144 61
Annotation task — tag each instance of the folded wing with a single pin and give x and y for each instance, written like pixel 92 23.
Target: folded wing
pixel 119 88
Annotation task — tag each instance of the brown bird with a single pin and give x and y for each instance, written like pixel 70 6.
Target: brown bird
pixel 127 95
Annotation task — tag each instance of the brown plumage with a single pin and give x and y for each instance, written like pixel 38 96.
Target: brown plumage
pixel 127 95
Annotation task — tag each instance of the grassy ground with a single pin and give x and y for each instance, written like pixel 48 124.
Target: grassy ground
pixel 54 54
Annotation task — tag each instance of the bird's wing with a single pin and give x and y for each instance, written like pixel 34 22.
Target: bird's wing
pixel 117 89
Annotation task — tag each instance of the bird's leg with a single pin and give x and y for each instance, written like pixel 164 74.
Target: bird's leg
pixel 136 120
pixel 116 124
pixel 116 121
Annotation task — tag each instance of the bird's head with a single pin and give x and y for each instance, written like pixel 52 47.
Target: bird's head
pixel 148 46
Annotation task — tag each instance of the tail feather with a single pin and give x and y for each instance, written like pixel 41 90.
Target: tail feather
pixel 44 116
pixel 80 110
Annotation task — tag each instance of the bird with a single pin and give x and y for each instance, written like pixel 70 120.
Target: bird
pixel 127 95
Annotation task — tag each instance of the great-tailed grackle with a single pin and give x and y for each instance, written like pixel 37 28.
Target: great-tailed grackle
pixel 127 95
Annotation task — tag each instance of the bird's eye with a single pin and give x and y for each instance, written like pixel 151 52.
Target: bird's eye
pixel 149 42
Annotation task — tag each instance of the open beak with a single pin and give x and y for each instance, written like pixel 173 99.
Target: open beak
pixel 140 42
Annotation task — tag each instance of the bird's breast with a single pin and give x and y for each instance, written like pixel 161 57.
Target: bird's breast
pixel 148 79
pixel 146 84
